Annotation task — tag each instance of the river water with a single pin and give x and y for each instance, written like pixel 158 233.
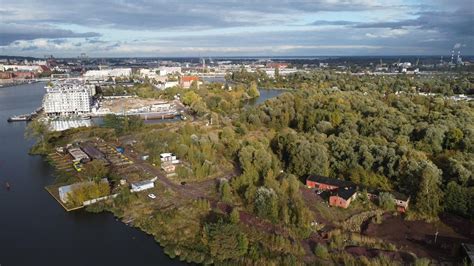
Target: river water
pixel 34 228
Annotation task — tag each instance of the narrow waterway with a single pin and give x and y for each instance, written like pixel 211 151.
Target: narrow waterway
pixel 265 94
pixel 34 229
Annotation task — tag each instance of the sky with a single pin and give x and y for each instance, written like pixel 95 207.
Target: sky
pixel 163 28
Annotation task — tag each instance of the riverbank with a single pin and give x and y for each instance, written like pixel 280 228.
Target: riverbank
pixel 15 82
pixel 49 235
pixel 181 210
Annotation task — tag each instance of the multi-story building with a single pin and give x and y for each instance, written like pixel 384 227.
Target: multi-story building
pixel 165 70
pixel 108 73
pixel 68 98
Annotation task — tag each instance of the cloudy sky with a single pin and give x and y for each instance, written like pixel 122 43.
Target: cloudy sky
pixel 235 27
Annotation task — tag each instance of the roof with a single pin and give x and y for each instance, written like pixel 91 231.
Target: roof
pixel 189 78
pixel 400 196
pixel 78 153
pixel 330 181
pixel 345 192
pixel 469 249
pixel 44 68
pixel 142 183
pixel 92 151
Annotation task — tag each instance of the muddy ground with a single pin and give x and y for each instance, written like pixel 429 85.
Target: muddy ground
pixel 420 237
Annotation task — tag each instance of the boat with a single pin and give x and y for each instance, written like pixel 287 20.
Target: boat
pixel 19 118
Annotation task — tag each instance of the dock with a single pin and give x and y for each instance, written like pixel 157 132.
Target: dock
pixel 25 117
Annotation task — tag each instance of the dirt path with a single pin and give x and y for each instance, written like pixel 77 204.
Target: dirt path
pixel 193 190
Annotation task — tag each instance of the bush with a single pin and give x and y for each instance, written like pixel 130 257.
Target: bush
pixel 422 262
pixel 386 201
pixel 321 251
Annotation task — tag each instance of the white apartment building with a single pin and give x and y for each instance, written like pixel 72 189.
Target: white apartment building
pixel 66 98
pixel 164 70
pixel 104 74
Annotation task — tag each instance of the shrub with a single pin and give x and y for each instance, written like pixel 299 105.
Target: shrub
pixel 321 251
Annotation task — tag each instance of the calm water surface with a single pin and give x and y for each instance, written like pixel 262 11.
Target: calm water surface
pixel 34 229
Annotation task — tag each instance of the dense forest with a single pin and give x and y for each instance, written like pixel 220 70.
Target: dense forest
pixel 363 129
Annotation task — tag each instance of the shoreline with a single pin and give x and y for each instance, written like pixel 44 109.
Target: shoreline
pixel 17 83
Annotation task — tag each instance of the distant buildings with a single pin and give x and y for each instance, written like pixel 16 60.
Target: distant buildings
pixel 105 74
pixel 21 68
pixel 21 71
pixel 66 98
pixel 164 70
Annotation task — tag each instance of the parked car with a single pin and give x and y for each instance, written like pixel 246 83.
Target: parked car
pixel 77 166
pixel 152 196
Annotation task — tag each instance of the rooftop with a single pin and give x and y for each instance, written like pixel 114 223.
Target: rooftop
pixel 345 192
pixel 330 181
pixel 142 183
pixel 92 151
pixel 189 78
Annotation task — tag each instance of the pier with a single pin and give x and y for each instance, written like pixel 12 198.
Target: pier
pixel 25 117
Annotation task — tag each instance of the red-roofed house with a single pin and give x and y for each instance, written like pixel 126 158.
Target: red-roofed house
pixel 24 75
pixel 44 68
pixel 186 81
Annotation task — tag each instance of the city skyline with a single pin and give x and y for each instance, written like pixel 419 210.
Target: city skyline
pixel 231 28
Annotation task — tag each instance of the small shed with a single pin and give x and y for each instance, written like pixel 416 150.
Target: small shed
pixel 64 193
pixel 168 158
pixel 78 155
pixel 142 185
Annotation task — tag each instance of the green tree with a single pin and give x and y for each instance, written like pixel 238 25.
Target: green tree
pixel 226 193
pixel 457 199
pixel 225 241
pixel 266 205
pixel 428 198
pixel 386 201
pixel 191 97
pixel 38 130
pixel 253 90
pixel 235 216
pixel 454 136
pixel 96 170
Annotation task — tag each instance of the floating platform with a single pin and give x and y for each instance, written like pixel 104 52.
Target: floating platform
pixel 25 117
